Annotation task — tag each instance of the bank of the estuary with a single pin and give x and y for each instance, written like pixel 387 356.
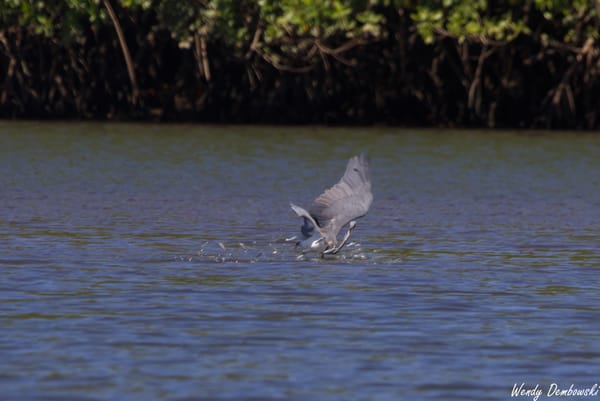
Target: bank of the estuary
pixel 460 63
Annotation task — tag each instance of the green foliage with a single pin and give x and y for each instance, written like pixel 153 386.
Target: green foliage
pixel 287 24
pixel 317 18
pixel 58 19
pixel 571 15
pixel 466 20
pixel 294 29
pixel 475 20
pixel 333 40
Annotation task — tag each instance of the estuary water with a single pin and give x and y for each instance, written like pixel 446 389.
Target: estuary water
pixel 157 262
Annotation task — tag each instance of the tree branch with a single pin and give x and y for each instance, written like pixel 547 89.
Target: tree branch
pixel 201 54
pixel 125 49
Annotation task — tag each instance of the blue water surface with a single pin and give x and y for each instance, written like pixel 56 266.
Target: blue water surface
pixel 156 262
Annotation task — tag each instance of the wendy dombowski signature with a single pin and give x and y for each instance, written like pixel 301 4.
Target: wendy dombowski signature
pixel 553 391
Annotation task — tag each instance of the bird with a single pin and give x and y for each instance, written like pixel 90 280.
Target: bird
pixel 336 207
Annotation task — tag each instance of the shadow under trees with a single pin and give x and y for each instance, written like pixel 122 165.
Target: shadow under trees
pixel 473 64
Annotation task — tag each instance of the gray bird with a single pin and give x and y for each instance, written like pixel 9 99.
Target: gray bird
pixel 338 206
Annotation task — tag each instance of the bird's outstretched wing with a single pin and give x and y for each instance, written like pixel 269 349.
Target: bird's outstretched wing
pixel 347 200
pixel 309 222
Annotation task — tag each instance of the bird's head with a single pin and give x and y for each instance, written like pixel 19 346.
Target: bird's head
pixel 320 244
pixel 314 243
pixel 325 244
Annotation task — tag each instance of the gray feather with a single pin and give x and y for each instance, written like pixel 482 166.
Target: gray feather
pixel 347 200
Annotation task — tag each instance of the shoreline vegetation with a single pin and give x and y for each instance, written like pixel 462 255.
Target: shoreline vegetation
pixel 456 63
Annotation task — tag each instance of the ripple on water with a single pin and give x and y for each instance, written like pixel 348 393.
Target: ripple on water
pixel 156 266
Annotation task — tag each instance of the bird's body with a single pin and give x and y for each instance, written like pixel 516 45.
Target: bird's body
pixel 338 206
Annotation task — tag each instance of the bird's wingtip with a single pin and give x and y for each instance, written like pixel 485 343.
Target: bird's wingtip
pixel 361 158
pixel 296 209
